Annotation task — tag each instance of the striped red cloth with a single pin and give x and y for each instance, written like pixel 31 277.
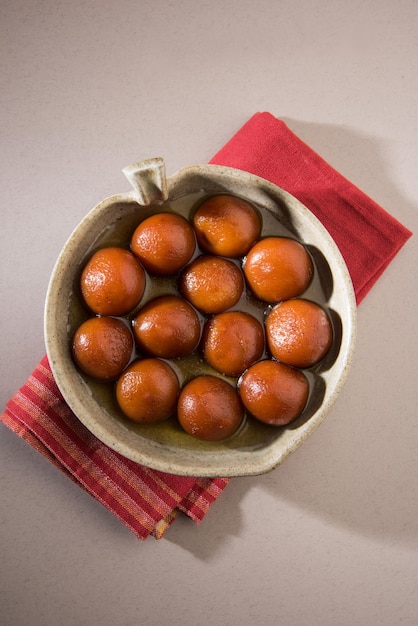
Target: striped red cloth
pixel 148 501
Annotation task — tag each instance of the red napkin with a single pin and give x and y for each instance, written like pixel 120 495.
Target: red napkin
pixel 367 236
pixel 148 501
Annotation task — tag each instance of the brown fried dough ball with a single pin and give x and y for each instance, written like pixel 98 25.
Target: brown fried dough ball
pixel 274 393
pixel 147 391
pixel 299 332
pixel 164 243
pixel 209 408
pixel 278 268
pixel 112 282
pixel 102 347
pixel 226 226
pixel 167 327
pixel 231 341
pixel 212 284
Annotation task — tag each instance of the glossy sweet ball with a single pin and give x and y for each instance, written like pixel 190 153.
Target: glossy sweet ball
pixel 212 284
pixel 102 347
pixel 226 226
pixel 112 282
pixel 274 393
pixel 209 408
pixel 231 341
pixel 164 243
pixel 167 327
pixel 299 332
pixel 147 391
pixel 278 268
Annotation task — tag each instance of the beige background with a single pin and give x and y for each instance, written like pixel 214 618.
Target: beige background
pixel 331 537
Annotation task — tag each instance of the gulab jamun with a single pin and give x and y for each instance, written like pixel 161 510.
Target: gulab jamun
pixel 164 243
pixel 299 332
pixel 102 347
pixel 232 341
pixel 167 327
pixel 209 408
pixel 274 393
pixel 278 268
pixel 212 284
pixel 112 282
pixel 147 391
pixel 226 225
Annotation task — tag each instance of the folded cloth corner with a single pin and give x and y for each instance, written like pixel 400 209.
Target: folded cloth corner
pixel 148 501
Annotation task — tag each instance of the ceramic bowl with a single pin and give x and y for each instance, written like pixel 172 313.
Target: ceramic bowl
pixel 256 448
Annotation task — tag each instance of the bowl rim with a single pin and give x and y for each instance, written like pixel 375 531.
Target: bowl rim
pixel 153 454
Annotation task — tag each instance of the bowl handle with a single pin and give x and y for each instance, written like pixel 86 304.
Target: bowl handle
pixel 148 180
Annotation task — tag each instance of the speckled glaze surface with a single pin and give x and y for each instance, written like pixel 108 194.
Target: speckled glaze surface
pixel 255 449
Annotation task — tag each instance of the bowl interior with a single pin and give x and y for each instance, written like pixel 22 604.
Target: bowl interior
pixel 256 448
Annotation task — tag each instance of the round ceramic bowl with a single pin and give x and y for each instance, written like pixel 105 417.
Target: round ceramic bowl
pixel 256 448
